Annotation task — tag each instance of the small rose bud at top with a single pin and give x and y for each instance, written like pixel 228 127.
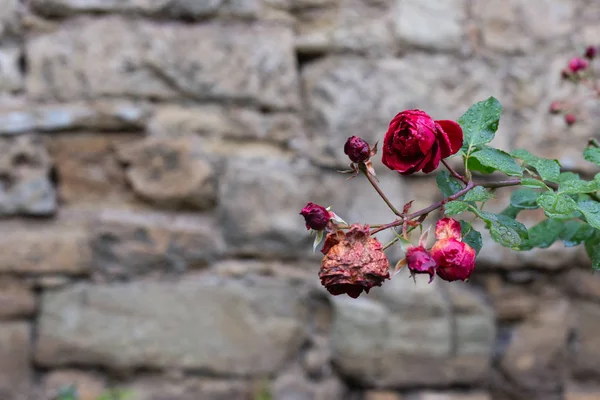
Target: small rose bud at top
pixel 570 119
pixel 577 64
pixel 455 260
pixel 419 261
pixel 353 262
pixel 357 149
pixel 447 228
pixel 555 107
pixel 315 216
pixel 590 52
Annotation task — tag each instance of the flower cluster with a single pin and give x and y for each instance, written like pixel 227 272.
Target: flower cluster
pixel 580 71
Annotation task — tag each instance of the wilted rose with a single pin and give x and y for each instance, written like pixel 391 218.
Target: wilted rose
pixel 353 262
pixel 419 261
pixel 447 228
pixel 357 149
pixel 455 259
pixel 315 216
pixel 590 52
pixel 415 142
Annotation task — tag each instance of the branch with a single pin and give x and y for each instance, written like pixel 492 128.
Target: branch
pixel 454 173
pixel 380 192
pixel 435 206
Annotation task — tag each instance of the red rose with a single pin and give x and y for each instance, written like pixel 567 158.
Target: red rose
pixel 357 149
pixel 419 261
pixel 590 52
pixel 415 142
pixel 353 262
pixel 315 216
pixel 455 259
pixel 577 64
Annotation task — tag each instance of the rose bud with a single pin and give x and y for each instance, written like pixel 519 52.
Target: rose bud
pixel 455 259
pixel 357 149
pixel 353 262
pixel 447 228
pixel 577 64
pixel 570 119
pixel 419 261
pixel 555 107
pixel 415 142
pixel 315 216
pixel 590 52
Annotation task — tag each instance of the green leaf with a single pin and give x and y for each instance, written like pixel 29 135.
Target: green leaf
pixel 479 193
pixel 447 184
pixel 574 186
pixel 557 205
pixel 575 233
pixel 543 234
pixel 592 247
pixel 533 183
pixel 471 236
pixel 525 199
pixel 592 154
pixel 591 211
pixel 480 123
pixel 498 160
pixel 567 176
pixel 475 165
pixel 511 211
pixel 455 207
pixel 549 170
pixel 504 230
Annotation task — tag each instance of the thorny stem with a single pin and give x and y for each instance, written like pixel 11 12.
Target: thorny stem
pixel 454 173
pixel 379 191
pixel 435 206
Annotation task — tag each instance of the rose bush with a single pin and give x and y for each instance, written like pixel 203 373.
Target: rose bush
pixel 415 142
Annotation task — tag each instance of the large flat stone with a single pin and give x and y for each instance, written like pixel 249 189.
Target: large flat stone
pixel 243 63
pixel 407 335
pixel 201 323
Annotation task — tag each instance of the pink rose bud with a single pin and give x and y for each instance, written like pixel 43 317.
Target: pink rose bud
pixel 570 119
pixel 415 142
pixel 556 107
pixel 315 216
pixel 590 52
pixel 447 228
pixel 419 261
pixel 455 259
pixel 353 262
pixel 357 149
pixel 577 64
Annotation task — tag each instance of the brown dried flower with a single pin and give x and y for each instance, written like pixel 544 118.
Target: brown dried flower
pixel 353 262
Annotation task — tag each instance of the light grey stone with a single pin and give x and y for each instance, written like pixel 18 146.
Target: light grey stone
pixel 11 76
pixel 406 335
pixel 252 64
pixel 25 186
pixel 432 24
pixel 200 323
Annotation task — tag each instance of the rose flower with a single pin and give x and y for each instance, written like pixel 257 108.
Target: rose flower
pixel 415 142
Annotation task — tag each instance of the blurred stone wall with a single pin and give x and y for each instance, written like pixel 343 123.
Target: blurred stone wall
pixel 155 155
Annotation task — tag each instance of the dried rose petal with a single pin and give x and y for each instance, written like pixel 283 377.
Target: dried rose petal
pixel 448 228
pixel 455 259
pixel 420 262
pixel 353 262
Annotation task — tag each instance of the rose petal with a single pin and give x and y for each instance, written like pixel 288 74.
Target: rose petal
pixel 434 161
pixel 447 228
pixel 454 133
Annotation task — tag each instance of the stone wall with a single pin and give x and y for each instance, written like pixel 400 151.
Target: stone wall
pixel 155 155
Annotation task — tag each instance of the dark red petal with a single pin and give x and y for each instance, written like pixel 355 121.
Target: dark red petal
pixel 434 161
pixel 398 163
pixel 454 133
pixel 427 136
